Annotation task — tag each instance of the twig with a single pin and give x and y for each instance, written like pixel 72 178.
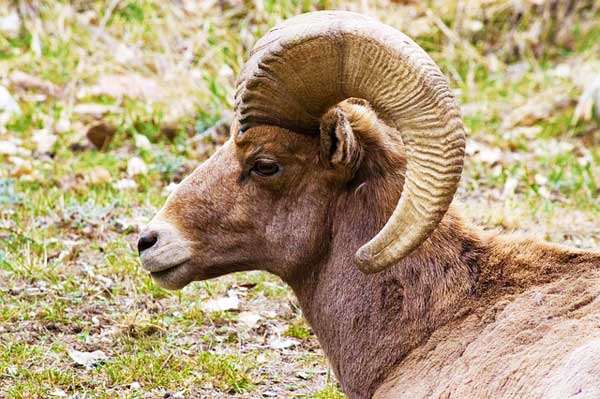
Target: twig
pixel 111 7
pixel 162 366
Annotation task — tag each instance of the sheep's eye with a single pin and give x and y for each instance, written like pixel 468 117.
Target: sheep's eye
pixel 265 168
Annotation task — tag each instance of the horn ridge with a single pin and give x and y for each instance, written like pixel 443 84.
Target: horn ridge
pixel 311 62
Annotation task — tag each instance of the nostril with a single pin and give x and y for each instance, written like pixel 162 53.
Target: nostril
pixel 147 240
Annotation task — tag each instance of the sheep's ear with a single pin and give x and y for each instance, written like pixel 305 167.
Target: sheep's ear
pixel 339 143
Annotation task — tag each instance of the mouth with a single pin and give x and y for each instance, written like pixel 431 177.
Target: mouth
pixel 165 273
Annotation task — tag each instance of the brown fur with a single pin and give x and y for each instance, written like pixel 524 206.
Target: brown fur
pixel 332 195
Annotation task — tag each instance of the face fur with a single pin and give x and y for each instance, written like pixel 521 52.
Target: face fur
pixel 260 202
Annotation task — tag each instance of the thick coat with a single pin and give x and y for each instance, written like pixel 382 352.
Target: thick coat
pixel 349 203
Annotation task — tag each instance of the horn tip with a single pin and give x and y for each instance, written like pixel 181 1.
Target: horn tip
pixel 366 262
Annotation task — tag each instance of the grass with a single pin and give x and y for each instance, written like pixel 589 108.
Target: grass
pixel 69 273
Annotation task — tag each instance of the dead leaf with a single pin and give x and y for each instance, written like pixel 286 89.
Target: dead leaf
pixel 23 169
pixel 119 86
pixel 98 175
pixel 87 359
pixel 25 81
pixel 125 184
pixel 588 102
pixel 510 187
pixel 169 130
pixel 101 135
pixel 221 304
pixel 419 26
pixel 282 343
pixel 10 24
pixel 170 188
pixel 142 142
pixel 483 153
pixel 8 148
pixel 536 109
pixel 75 182
pixel 249 319
pixel 63 125
pixel 8 105
pixel 124 225
pixel 95 110
pixel 44 140
pixel 303 376
pixel 136 166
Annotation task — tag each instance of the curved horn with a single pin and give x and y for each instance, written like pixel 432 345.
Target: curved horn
pixel 311 62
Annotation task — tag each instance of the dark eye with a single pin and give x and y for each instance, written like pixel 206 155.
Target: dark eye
pixel 265 168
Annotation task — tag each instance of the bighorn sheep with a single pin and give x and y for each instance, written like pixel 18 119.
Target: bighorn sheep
pixel 346 151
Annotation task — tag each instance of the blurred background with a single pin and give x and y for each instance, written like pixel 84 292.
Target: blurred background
pixel 106 105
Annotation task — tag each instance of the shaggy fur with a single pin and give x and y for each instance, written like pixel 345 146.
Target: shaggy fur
pixel 453 319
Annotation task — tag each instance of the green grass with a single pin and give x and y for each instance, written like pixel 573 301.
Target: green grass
pixel 68 266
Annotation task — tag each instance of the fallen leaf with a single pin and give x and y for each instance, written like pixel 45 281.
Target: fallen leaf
pixel 25 81
pixel 44 140
pixel 101 135
pixel 248 319
pixel 561 71
pixel 8 148
pixel 170 188
pixel 261 358
pixel 483 153
pixel 63 125
pixel 303 376
pixel 419 26
pixel 98 175
pixel 136 166
pixel 8 105
pixel 142 142
pixel 95 110
pixel 588 102
pixel 119 86
pixel 75 182
pixel 282 343
pixel 221 304
pixel 23 169
pixel 87 359
pixel 535 110
pixel 125 184
pixel 58 393
pixel 10 24
pixel 169 130
pixel 509 187
pixel 124 225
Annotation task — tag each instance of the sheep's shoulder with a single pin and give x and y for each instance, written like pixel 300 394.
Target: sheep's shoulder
pixel 543 342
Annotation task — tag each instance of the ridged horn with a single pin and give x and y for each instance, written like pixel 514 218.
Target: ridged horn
pixel 311 62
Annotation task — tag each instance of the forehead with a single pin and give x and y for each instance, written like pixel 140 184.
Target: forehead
pixel 275 140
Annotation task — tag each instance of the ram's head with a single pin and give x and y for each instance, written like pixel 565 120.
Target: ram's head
pixel 327 104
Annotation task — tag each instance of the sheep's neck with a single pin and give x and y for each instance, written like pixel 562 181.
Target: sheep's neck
pixel 366 324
